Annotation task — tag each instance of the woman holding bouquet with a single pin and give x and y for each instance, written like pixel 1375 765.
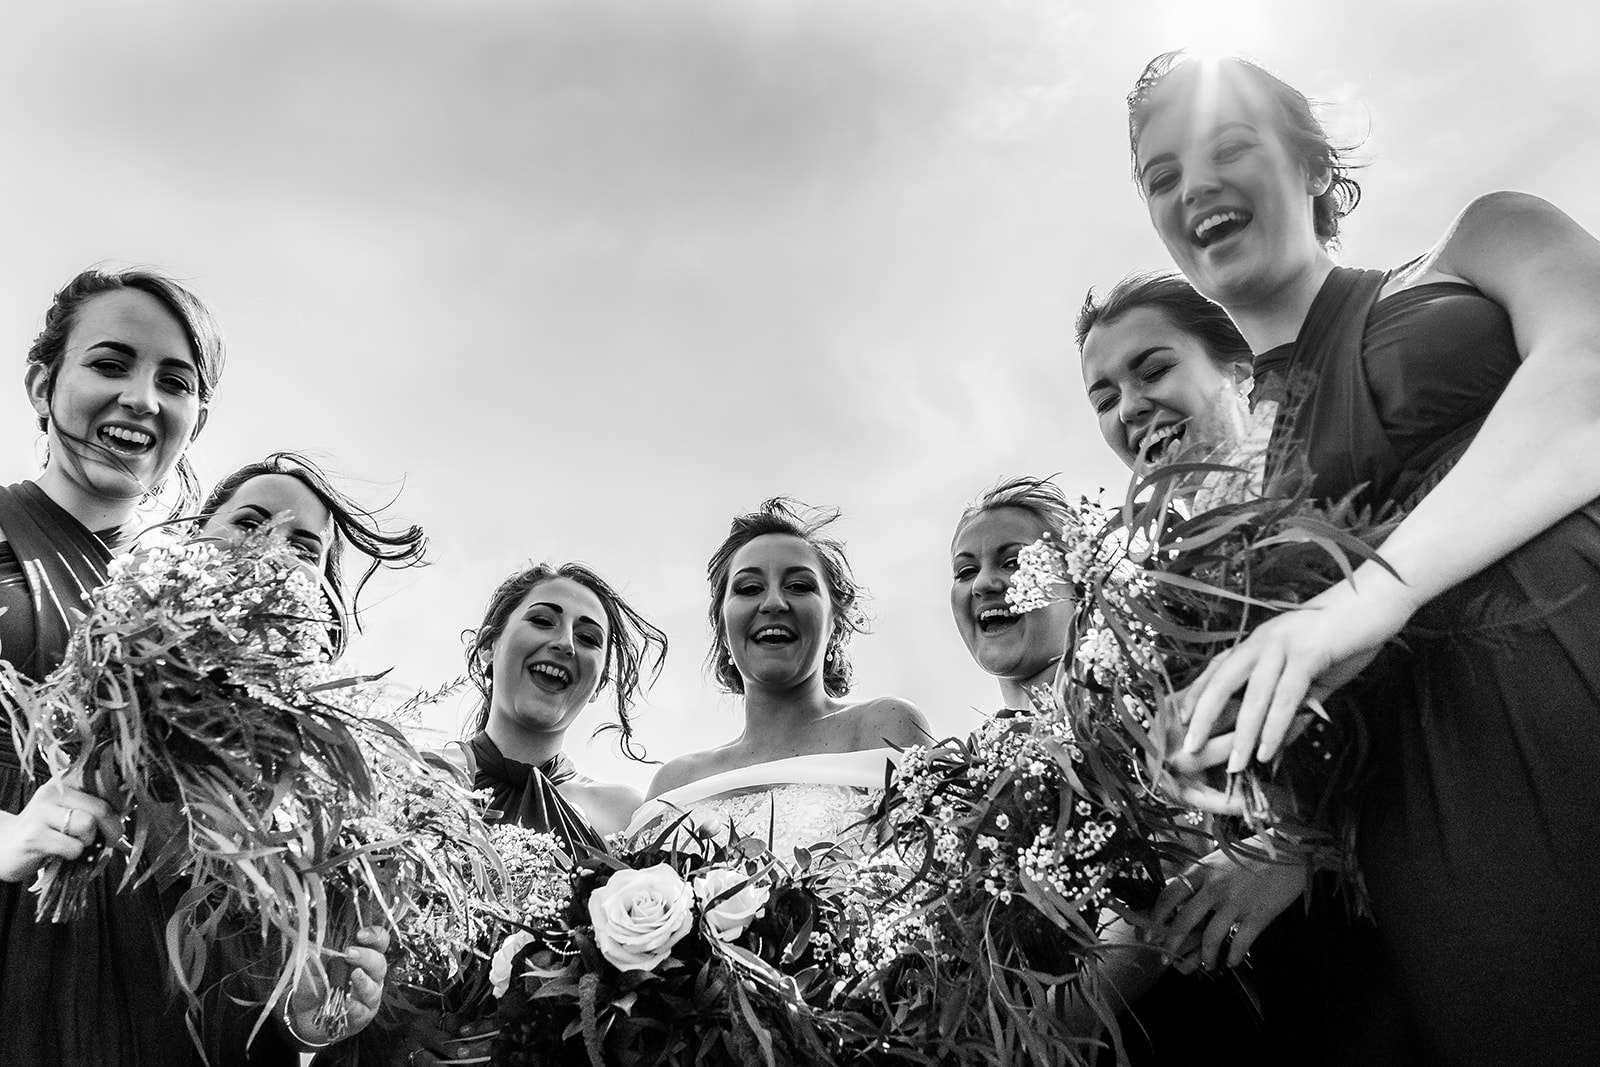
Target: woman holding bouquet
pixel 120 378
pixel 784 606
pixel 552 638
pixel 320 522
pixel 1168 376
pixel 1459 390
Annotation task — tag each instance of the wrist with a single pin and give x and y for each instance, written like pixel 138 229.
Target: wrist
pixel 305 1043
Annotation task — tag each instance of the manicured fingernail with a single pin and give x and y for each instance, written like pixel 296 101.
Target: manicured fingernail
pixel 1238 762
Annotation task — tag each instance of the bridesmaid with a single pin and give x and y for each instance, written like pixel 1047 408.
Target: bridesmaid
pixel 551 639
pixel 1166 370
pixel 1459 389
pixel 121 380
pixel 321 523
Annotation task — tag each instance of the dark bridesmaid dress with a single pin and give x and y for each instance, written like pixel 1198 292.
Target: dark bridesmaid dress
pixel 1479 837
pixel 97 992
pixel 522 794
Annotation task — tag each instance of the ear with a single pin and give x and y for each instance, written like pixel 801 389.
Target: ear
pixel 200 422
pixel 1318 181
pixel 37 380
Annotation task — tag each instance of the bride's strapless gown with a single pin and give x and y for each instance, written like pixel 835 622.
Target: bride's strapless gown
pixel 788 803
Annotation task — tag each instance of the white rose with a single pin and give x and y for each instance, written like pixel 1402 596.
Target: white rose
pixel 500 966
pixel 639 915
pixel 728 918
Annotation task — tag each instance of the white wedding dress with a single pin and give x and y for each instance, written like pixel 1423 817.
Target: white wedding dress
pixel 788 803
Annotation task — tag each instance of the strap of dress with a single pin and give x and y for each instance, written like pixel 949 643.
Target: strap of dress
pixel 61 561
pixel 1329 420
pixel 525 795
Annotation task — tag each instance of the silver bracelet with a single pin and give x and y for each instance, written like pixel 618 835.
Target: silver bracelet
pixel 288 1024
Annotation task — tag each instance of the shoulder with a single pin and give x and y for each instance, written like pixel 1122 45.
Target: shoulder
pixel 889 720
pixel 609 805
pixel 681 770
pixel 1498 235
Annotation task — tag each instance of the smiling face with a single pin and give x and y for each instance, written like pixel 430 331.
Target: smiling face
pixel 123 402
pixel 547 663
pixel 776 612
pixel 983 558
pixel 306 519
pixel 1155 387
pixel 1227 195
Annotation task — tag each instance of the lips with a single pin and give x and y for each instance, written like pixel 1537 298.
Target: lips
pixel 995 620
pixel 551 677
pixel 126 440
pixel 1218 225
pixel 1155 446
pixel 772 636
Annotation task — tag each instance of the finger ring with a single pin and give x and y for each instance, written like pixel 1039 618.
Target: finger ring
pixel 1184 878
pixel 1232 931
pixel 66 820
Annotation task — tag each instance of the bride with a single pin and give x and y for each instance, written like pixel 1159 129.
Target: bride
pixel 783 609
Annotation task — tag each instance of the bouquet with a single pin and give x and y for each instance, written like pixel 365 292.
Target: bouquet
pixel 681 952
pixel 197 700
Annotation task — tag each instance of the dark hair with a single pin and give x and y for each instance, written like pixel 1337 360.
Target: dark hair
pixel 1171 294
pixel 781 515
pixel 205 342
pixel 352 524
pixel 1040 497
pixel 629 644
pixel 1298 125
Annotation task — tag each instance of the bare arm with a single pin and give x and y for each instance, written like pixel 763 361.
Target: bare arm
pixel 1533 458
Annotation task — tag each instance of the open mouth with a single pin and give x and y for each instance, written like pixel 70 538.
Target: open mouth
pixel 993 621
pixel 1161 444
pixel 550 677
pixel 1219 226
pixel 775 636
pixel 126 441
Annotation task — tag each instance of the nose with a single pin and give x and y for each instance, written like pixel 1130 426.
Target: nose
pixel 139 394
pixel 990 580
pixel 563 641
pixel 1199 180
pixel 1133 407
pixel 773 601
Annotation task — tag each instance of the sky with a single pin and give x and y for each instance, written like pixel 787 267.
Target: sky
pixel 583 279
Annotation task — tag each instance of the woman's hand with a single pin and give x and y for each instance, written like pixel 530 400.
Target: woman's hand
pixel 1220 904
pixel 447 1040
pixel 368 969
pixel 58 822
pixel 1305 653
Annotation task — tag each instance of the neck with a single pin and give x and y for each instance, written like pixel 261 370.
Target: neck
pixel 1274 318
pixel 776 715
pixel 95 512
pixel 524 746
pixel 1015 691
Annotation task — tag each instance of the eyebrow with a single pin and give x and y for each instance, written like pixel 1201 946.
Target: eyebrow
pixel 128 350
pixel 299 531
pixel 559 610
pixel 1133 366
pixel 1216 131
pixel 802 568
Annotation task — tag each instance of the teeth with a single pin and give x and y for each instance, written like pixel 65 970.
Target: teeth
pixel 553 671
pixel 993 613
pixel 771 631
pixel 1211 222
pixel 132 437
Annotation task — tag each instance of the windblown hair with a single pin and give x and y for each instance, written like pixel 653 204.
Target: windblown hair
pixel 205 344
pixel 1171 294
pixel 635 649
pixel 1298 125
pixel 353 525
pixel 782 515
pixel 1040 497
